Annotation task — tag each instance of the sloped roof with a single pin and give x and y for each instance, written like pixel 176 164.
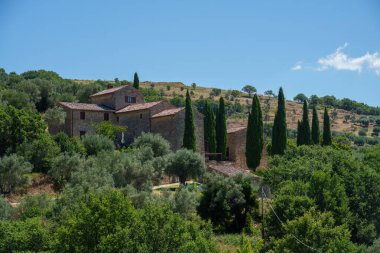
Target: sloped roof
pixel 235 129
pixel 137 107
pixel 168 112
pixel 86 107
pixel 227 169
pixel 108 91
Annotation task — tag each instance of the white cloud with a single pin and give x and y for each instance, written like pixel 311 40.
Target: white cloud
pixel 297 66
pixel 341 61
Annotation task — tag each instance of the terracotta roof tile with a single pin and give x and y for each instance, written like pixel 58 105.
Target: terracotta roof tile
pixel 137 107
pixel 108 91
pixel 235 129
pixel 86 107
pixel 227 169
pixel 168 112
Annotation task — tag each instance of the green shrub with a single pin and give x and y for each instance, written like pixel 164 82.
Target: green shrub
pixel 12 172
pixel 94 144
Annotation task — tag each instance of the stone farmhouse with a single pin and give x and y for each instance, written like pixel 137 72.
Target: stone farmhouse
pixel 125 106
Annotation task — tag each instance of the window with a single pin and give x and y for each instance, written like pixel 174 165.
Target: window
pixel 82 115
pixel 106 116
pixel 140 115
pixel 82 133
pixel 117 118
pixel 129 99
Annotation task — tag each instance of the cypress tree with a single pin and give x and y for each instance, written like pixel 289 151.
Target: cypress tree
pixel 255 135
pixel 279 137
pixel 189 139
pixel 221 131
pixel 298 132
pixel 209 129
pixel 304 133
pixel 315 126
pixel 326 129
pixel 136 81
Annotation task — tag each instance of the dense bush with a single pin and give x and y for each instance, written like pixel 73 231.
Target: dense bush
pixel 156 142
pixel 6 210
pixel 228 202
pixel 12 173
pixel 40 152
pixel 109 223
pixel 328 180
pixel 97 143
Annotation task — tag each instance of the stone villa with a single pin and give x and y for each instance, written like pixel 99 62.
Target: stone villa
pixel 125 106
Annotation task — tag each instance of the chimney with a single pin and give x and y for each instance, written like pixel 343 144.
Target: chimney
pixel 109 86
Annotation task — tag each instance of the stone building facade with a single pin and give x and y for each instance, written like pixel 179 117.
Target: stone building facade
pixel 125 106
pixel 236 140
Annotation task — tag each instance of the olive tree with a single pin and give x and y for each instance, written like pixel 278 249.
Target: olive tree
pixel 12 172
pixel 185 164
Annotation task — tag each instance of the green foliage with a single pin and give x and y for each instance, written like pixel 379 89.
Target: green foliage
pixel 185 202
pixel 209 129
pixel 18 99
pixel 6 211
pixel 375 248
pixel 150 95
pixel 41 152
pixel 189 138
pixel 315 132
pixel 24 236
pixel 304 135
pixel 215 92
pixel 108 129
pixel 279 138
pixel 69 145
pixel 318 230
pixel 227 202
pixel 55 117
pixel 136 81
pixel 363 132
pixel 12 172
pixel 177 101
pixel 159 145
pixel 255 135
pixel 336 182
pixel 34 206
pixel 109 223
pixel 301 98
pixel 63 167
pixel 19 126
pixel 97 143
pixel 185 164
pixel 249 89
pixel 221 131
pixel 326 129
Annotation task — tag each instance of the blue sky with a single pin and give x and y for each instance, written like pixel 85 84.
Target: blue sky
pixel 316 46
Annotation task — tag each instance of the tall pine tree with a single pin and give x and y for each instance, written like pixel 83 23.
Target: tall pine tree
pixel 304 133
pixel 189 139
pixel 136 81
pixel 315 132
pixel 209 129
pixel 326 129
pixel 255 135
pixel 221 131
pixel 279 138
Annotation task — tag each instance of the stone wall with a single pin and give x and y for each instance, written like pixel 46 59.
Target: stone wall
pixel 172 128
pixel 236 147
pixel 91 117
pixel 116 100
pixel 119 97
pixel 136 122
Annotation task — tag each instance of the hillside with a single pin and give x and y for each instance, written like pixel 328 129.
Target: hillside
pixel 170 90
